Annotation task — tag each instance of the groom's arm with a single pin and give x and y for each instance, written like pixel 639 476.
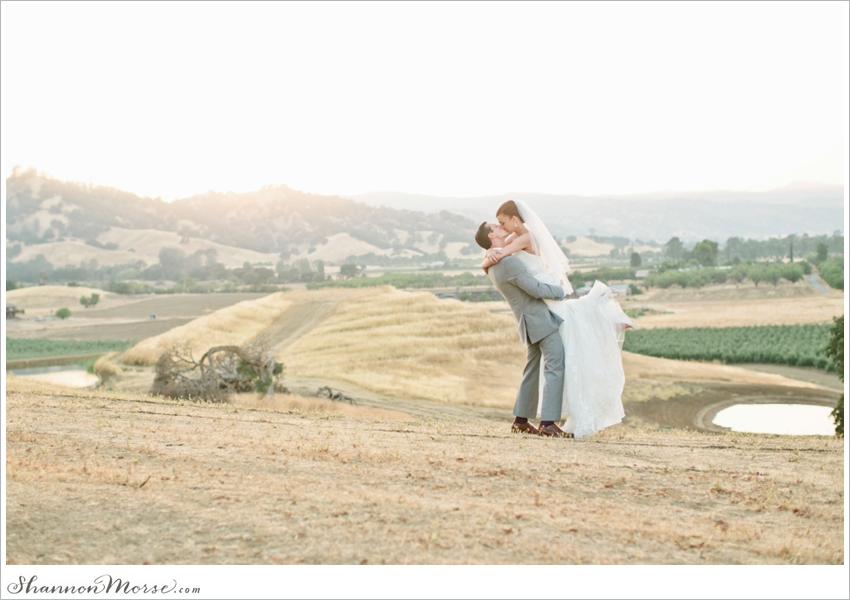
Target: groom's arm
pixel 516 273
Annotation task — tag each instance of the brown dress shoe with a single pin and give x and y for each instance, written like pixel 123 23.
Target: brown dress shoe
pixel 524 428
pixel 554 431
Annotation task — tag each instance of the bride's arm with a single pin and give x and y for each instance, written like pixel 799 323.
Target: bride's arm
pixel 517 243
pixel 488 261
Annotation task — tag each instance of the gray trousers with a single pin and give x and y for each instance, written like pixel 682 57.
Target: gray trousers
pixel 551 348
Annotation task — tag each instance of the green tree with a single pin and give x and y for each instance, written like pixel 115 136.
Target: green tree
pixel 63 313
pixel 772 274
pixel 706 253
pixel 172 261
pixel 88 301
pixel 823 252
pixel 738 273
pixel 792 272
pixel 756 274
pixel 11 284
pixel 673 249
pixel 634 260
pixel 349 271
pixel 835 351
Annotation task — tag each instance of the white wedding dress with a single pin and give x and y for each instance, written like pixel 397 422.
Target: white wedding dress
pixel 593 331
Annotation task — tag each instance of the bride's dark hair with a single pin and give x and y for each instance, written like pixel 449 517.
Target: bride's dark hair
pixel 481 235
pixel 509 209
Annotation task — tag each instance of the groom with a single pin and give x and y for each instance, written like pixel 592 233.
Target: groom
pixel 538 329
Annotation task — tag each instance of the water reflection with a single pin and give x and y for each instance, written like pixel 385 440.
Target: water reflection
pixel 787 419
pixel 69 375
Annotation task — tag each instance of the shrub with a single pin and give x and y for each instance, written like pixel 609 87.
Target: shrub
pixel 832 271
pixel 835 351
pixel 90 300
pixel 792 272
pixel 63 313
pixel 756 274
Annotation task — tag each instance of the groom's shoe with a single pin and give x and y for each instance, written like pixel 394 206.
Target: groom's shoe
pixel 524 428
pixel 554 431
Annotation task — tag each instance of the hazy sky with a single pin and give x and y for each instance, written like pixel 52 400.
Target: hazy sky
pixel 437 98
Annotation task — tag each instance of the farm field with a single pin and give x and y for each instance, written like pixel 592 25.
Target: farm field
pixel 44 300
pixel 127 319
pixel 421 355
pixel 392 349
pixel 795 345
pixel 37 348
pixel 238 484
pixel 687 308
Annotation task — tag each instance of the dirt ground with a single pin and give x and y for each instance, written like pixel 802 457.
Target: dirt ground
pixel 731 312
pixel 126 317
pixel 167 482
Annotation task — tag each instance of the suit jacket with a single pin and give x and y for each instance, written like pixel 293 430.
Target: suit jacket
pixel 524 293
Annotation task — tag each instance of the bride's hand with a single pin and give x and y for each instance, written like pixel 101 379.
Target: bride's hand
pixel 494 255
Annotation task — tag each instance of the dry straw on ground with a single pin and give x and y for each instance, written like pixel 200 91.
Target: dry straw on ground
pixel 414 345
pixel 731 308
pixel 155 481
pixel 234 325
pixel 42 299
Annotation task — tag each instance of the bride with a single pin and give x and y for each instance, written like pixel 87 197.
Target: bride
pixel 593 329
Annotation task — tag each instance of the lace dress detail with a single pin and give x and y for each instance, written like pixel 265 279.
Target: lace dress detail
pixel 593 333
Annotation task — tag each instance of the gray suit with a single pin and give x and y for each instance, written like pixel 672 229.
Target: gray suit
pixel 538 329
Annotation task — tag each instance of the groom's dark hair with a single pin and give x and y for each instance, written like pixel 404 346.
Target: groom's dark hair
pixel 481 235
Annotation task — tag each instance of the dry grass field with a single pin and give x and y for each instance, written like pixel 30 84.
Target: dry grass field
pixel 152 481
pixel 46 299
pixel 413 344
pixel 234 325
pixel 731 307
pixel 135 245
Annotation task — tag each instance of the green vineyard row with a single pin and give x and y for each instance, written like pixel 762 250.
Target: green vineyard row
pixel 796 345
pixel 17 348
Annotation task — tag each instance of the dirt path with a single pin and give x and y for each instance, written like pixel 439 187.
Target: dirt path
pixel 99 329
pixel 159 482
pixel 814 281
pixel 416 407
pixel 299 320
pixel 812 375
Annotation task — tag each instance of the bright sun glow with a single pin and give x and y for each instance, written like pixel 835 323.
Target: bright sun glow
pixel 173 99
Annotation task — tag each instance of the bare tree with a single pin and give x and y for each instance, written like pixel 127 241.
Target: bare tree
pixel 221 371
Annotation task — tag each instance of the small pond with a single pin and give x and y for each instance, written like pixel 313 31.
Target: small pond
pixel 786 419
pixel 70 375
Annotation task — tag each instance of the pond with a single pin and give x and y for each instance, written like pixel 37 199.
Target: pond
pixel 786 419
pixel 69 375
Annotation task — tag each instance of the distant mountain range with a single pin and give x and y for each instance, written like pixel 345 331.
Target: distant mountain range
pixel 69 222
pixel 692 216
pixel 103 223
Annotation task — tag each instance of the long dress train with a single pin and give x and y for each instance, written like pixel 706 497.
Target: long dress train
pixel 593 331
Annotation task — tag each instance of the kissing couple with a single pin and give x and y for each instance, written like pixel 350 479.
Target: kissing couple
pixel 574 372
